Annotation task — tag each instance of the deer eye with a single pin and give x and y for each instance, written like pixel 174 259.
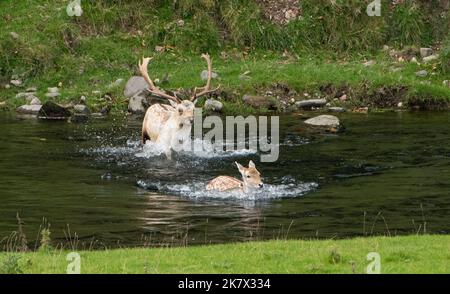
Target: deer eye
pixel 248 177
pixel 181 125
pixel 180 111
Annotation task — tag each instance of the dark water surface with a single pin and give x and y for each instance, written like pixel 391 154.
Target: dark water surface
pixel 386 174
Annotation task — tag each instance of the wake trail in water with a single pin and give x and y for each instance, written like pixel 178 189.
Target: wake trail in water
pixel 197 190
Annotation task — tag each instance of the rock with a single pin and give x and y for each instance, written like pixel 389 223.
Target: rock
pixel 180 23
pixel 29 109
pixel 400 105
pixel 258 101
pixel 16 83
pixel 213 105
pixel 414 60
pixel 52 111
pixel 53 90
pixel 204 75
pixel 81 109
pixel 52 95
pixel 135 85
pixel 7 86
pixel 323 121
pixel 24 94
pixel 14 35
pixel 446 83
pixel 422 73
pixel 83 99
pixel 337 109
pixel 35 101
pixel 96 92
pixel 29 98
pixel 425 52
pixel 328 123
pixel 31 90
pixel 137 104
pixel 430 58
pixel 311 103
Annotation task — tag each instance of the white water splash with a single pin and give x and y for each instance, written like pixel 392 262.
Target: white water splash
pixel 199 149
pixel 197 190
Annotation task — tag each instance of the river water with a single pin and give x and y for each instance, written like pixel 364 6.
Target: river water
pixel 387 174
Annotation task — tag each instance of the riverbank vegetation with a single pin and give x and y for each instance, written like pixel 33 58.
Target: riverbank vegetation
pixel 323 49
pixel 411 254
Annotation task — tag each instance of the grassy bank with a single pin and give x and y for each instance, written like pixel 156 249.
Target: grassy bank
pixel 325 47
pixel 410 254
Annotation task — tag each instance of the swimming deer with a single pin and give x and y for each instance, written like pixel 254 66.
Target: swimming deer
pixel 251 179
pixel 170 125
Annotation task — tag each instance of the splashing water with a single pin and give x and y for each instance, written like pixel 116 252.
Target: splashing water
pixel 197 190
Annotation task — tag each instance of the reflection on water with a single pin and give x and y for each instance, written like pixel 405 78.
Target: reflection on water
pixel 388 173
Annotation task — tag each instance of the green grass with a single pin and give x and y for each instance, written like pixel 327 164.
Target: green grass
pixel 89 53
pixel 410 254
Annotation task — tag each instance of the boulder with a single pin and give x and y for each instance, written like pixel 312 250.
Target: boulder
pixel 24 94
pixel 135 85
pixel 16 83
pixel 430 58
pixel 327 123
pixel 311 103
pixel 422 73
pixel 52 111
pixel 53 90
pixel 81 109
pixel 323 121
pixel 35 101
pixel 29 109
pixel 137 104
pixel 259 101
pixel 213 105
pixel 425 52
pixel 52 95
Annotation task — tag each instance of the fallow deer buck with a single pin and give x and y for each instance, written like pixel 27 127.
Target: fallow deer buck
pixel 251 179
pixel 170 125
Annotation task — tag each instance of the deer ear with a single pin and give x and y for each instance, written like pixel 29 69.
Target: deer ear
pixel 251 164
pixel 173 103
pixel 239 166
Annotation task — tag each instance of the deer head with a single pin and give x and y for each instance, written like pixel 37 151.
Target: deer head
pixel 250 176
pixel 184 109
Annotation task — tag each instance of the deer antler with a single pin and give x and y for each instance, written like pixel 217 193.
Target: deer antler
pixel 206 88
pixel 152 88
